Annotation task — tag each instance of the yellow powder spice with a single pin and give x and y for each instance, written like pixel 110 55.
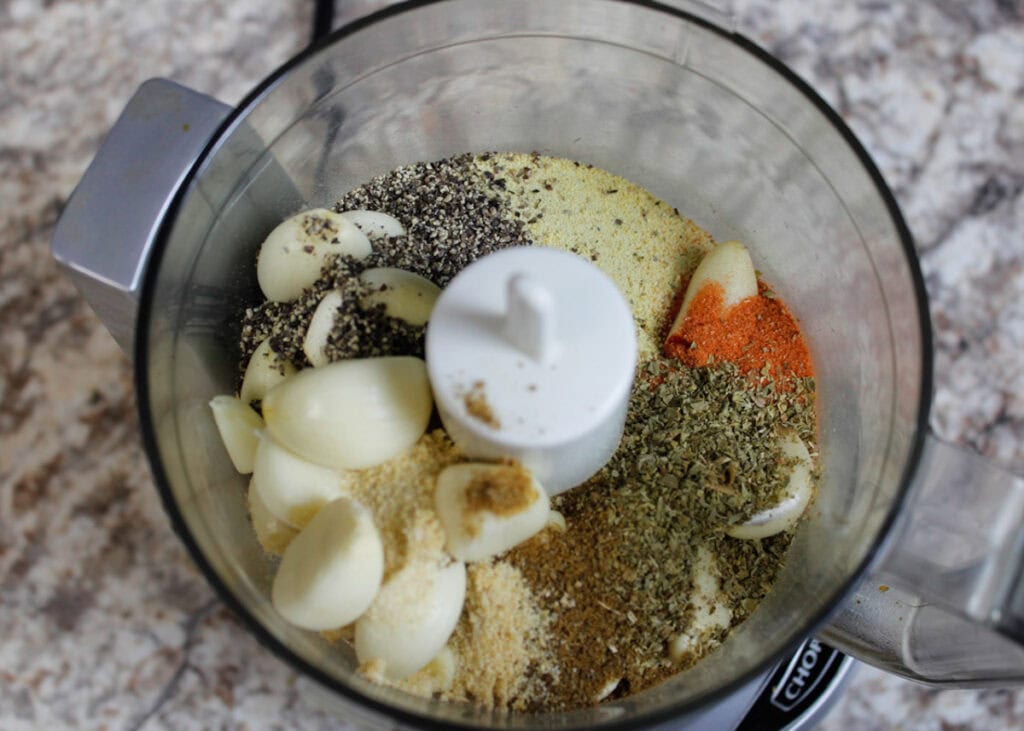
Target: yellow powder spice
pixel 638 240
pixel 500 645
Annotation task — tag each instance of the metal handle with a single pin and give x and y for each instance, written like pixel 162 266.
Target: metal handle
pixel 946 604
pixel 107 228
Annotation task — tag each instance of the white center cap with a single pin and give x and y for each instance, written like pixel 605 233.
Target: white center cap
pixel 531 354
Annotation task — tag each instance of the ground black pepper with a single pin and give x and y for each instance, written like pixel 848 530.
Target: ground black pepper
pixel 452 217
pixel 451 213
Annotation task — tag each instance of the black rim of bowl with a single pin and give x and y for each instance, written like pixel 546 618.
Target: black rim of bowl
pixel 650 718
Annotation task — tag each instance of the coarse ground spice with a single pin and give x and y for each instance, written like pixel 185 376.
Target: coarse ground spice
pixel 507 490
pixel 479 407
pixel 451 212
pixel 700 452
pixel 452 216
pixel 357 333
pixel 499 651
pixel 758 334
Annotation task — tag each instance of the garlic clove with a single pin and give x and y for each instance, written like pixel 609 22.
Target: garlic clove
pixel 291 257
pixel 608 688
pixel 486 509
pixel 441 670
pixel 729 265
pixel 332 570
pixel 556 521
pixel 711 613
pixel 682 645
pixel 374 224
pixel 351 414
pixel 293 489
pixel 274 535
pixel 264 371
pixel 314 345
pixel 797 495
pixel 412 617
pixel 405 295
pixel 239 428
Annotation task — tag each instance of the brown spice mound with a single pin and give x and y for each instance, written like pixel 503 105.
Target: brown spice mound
pixel 617 607
pixel 506 490
pixel 478 406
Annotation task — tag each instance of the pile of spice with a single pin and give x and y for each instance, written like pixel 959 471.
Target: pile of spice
pixel 503 644
pixel 758 335
pixel 700 451
pixel 451 212
pixel 640 241
pixel 644 561
pixel 452 216
pixel 641 581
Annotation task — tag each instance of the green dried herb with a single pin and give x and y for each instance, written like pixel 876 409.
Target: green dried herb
pixel 699 452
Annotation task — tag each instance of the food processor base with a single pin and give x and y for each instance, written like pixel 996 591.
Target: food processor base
pixel 801 690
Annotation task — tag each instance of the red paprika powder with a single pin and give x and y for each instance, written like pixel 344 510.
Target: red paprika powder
pixel 756 332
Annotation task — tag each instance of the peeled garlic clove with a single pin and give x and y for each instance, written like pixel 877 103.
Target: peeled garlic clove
pixel 412 617
pixel 711 613
pixel 607 689
pixel 332 570
pixel 374 224
pixel 351 414
pixel 293 489
pixel 239 428
pixel 274 535
pixel 682 645
pixel 797 495
pixel 264 371
pixel 405 295
pixel 556 521
pixel 728 265
pixel 487 509
pixel 292 256
pixel 320 325
pixel 441 670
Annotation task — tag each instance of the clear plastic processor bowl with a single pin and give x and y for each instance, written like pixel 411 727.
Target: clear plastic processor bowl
pixel 657 93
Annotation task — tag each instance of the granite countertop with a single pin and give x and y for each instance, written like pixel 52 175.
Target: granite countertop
pixel 105 621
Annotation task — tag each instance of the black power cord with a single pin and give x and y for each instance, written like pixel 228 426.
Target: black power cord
pixel 323 18
pixel 323 79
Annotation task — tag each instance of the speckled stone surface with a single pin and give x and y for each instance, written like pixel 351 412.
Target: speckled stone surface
pixel 104 621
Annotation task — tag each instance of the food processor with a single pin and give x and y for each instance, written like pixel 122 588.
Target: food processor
pixel 910 558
